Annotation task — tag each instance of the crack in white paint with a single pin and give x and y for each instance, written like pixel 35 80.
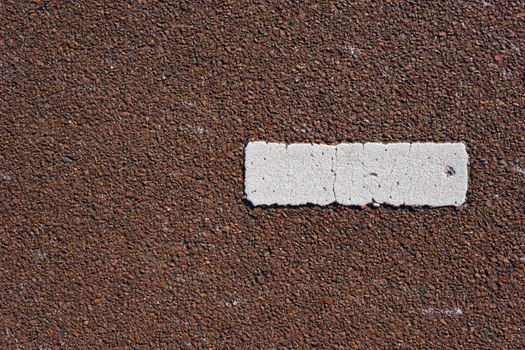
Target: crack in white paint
pixel 432 174
pixel 334 162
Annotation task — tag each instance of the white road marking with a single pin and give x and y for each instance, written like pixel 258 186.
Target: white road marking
pixel 418 174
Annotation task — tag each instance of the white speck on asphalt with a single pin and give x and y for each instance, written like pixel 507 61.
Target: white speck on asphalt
pixel 352 50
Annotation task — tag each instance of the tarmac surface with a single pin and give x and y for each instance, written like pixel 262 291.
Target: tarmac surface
pixel 123 222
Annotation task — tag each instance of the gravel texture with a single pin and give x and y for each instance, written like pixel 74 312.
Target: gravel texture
pixel 122 218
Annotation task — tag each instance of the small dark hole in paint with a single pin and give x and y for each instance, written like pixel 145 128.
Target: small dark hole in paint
pixel 373 174
pixel 449 171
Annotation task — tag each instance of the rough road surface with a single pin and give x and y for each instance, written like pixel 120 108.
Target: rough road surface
pixel 122 218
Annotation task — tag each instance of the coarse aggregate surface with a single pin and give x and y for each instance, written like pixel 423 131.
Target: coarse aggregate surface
pixel 122 218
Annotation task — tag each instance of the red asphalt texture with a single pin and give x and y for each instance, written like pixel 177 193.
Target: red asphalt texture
pixel 123 223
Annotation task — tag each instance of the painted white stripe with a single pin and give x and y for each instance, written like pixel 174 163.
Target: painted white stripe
pixel 418 174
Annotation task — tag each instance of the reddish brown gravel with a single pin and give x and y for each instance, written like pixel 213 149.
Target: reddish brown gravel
pixel 122 218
